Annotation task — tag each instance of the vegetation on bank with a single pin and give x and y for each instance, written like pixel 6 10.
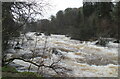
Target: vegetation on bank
pixel 9 71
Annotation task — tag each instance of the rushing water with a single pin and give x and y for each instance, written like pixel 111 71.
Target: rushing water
pixel 85 59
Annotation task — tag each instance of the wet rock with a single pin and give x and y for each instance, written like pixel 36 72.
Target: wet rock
pixel 47 34
pixel 54 51
pixel 37 34
pixel 116 41
pixel 17 47
pixel 102 42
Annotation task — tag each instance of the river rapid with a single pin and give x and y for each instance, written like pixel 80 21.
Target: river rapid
pixel 84 59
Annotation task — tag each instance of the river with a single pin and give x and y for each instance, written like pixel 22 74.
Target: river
pixel 85 59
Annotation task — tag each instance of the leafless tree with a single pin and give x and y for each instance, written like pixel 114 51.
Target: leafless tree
pixel 25 12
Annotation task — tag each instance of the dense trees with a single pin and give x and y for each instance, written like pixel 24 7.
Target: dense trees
pixel 102 18
pixel 116 19
pixel 93 20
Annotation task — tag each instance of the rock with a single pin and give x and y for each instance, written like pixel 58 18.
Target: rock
pixel 17 47
pixel 116 41
pixel 67 36
pixel 102 42
pixel 56 52
pixel 37 34
pixel 97 43
pixel 47 34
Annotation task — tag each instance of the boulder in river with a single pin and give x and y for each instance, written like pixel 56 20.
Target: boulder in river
pixel 116 41
pixel 102 41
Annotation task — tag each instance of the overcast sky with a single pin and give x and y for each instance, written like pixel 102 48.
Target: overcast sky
pixel 61 5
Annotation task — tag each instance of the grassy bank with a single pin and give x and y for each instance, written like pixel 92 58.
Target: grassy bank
pixel 8 71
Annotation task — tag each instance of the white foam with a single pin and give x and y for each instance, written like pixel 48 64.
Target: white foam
pixel 73 49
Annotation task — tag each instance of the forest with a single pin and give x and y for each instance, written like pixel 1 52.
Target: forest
pixel 84 25
pixel 89 22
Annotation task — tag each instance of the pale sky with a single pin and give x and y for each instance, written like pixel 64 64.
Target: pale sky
pixel 57 5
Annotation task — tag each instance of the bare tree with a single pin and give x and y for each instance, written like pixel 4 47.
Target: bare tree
pixel 41 63
pixel 21 13
pixel 24 12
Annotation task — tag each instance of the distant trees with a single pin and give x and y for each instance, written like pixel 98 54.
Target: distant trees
pixel 44 25
pixel 104 17
pixel 116 20
pixel 93 20
pixel 88 8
